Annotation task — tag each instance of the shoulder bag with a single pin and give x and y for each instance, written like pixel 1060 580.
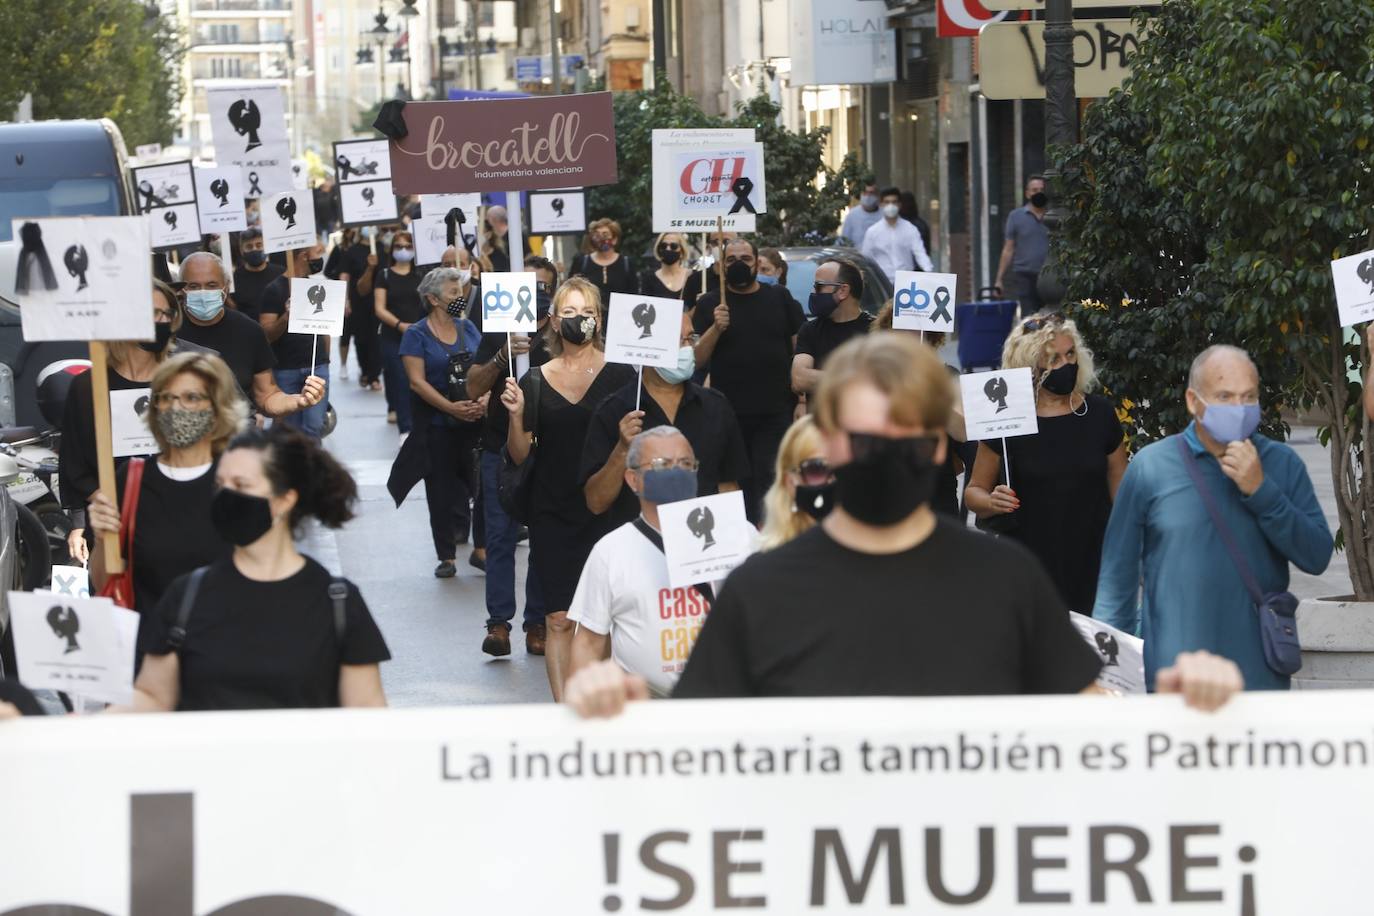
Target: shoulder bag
pixel 1277 611
pixel 516 481
pixel 176 636
pixel 120 587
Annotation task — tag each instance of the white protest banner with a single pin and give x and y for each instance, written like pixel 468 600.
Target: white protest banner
pixel 1123 655
pixel 129 423
pixel 643 330
pixel 668 182
pixel 219 196
pixel 76 645
pixel 924 301
pixel 71 582
pixel 558 212
pixel 1353 278
pixel 508 302
pixel 705 538
pixel 717 182
pixel 288 221
pixel 249 128
pixel 999 404
pixel 317 306
pixel 1060 806
pixel 167 194
pixel 84 278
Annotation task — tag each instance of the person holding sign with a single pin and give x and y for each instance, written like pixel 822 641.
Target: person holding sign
pixel 601 264
pixel 302 359
pixel 836 318
pixel 569 386
pixel 1067 474
pixel 350 261
pixel 669 281
pixel 893 243
pixel 396 302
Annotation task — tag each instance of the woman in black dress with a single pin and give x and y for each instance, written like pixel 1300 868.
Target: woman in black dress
pixel 569 386
pixel 670 279
pixel 1064 477
pixel 397 304
pixel 602 265
pixel 352 262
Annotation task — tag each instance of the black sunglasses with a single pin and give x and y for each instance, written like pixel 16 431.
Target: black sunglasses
pixel 670 246
pixel 819 285
pixel 1041 321
pixel 814 472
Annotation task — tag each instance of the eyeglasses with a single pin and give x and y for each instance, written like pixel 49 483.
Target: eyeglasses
pixel 663 464
pixel 164 316
pixel 1041 321
pixel 819 286
pixel 814 472
pixel 201 286
pixel 191 400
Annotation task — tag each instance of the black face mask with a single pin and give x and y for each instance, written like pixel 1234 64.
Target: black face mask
pixel 1039 199
pixel 315 265
pixel 669 255
pixel 815 501
pixel 457 308
pixel 255 258
pixel 577 329
pixel 887 479
pixel 239 518
pixel 1061 381
pixel 739 274
pixel 162 336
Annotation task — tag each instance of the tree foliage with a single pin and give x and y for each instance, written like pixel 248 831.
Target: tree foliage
pixel 1207 199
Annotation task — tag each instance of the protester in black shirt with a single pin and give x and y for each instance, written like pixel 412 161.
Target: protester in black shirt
pixel 263 629
pixel 836 318
pixel 706 277
pixel 669 280
pixel 748 342
pixel 349 261
pixel 302 359
pixel 602 265
pixel 666 398
pixel 253 275
pixel 396 302
pixel 367 329
pixel 884 598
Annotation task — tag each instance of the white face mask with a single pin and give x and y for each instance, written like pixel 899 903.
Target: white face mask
pixel 891 210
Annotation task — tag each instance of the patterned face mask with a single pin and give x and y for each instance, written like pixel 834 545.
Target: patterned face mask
pixel 184 428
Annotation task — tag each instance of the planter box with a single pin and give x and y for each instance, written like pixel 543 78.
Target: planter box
pixel 1337 636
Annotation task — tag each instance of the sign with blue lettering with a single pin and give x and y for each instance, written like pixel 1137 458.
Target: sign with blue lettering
pixel 508 302
pixel 923 301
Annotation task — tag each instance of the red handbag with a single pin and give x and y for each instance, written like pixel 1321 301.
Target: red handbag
pixel 120 587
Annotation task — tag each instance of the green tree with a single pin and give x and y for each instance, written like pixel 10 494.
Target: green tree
pixel 1208 198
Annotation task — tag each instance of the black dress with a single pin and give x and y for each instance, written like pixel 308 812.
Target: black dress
pixel 615 277
pixel 651 285
pixel 562 528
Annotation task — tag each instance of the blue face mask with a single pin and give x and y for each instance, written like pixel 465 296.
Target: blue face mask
pixel 767 279
pixel 686 365
pixel 204 304
pixel 670 485
pixel 1228 423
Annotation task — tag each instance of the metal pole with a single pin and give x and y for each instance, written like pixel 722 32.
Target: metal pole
pixel 553 47
pixel 1061 131
pixel 474 18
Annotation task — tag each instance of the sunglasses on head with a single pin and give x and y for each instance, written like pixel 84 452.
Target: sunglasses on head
pixel 1041 321
pixel 814 472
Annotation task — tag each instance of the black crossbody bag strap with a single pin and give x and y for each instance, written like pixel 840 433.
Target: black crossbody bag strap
pixel 176 637
pixel 656 539
pixel 532 404
pixel 1208 500
pixel 338 596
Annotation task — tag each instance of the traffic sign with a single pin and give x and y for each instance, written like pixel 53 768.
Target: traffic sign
pixel 535 69
pixel 1077 4
pixel 1012 57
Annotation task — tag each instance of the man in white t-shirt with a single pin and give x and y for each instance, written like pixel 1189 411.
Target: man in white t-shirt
pixel 623 597
pixel 893 243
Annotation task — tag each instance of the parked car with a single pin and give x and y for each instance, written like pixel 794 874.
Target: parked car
pixel 801 274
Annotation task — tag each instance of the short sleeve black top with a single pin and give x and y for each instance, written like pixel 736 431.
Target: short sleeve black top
pixel 239 340
pixel 752 362
pixel 263 645
pixel 801 620
pixel 1060 476
pixel 292 351
pixel 615 277
pixel 498 418
pixel 651 285
pixel 691 290
pixel 249 285
pixel 820 337
pixel 402 299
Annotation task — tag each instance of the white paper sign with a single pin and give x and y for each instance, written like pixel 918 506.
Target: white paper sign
pixel 643 330
pixel 999 404
pixel 666 146
pixel 219 197
pixel 367 203
pixel 77 645
pixel 317 305
pixel 705 538
pixel 716 182
pixel 1123 655
pixel 300 175
pixel 558 212
pixel 1353 277
pixel 148 150
pixel 431 238
pixel 434 208
pixel 249 128
pixel 71 582
pixel 88 278
pixel 924 301
pixel 362 160
pixel 167 194
pixel 508 302
pixel 129 423
pixel 288 221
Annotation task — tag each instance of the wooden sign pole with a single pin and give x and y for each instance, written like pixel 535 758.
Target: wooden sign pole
pixel 720 261
pixel 104 448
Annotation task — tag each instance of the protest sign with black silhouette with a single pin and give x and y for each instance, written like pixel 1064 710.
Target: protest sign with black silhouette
pixel 317 306
pixel 220 191
pixel 248 124
pixel 705 538
pixel 83 278
pixel 704 176
pixel 288 221
pixel 81 646
pixel 1353 278
pixel 167 194
pixel 643 330
pixel 999 404
pixel 1122 654
pixel 561 212
pixel 362 175
pixel 431 229
pixel 924 301
pixel 508 302
pixel 128 422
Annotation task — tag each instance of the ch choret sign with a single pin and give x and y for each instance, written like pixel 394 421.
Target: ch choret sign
pixel 506 144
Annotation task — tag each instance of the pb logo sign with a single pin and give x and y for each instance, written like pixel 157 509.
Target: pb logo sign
pixel 924 301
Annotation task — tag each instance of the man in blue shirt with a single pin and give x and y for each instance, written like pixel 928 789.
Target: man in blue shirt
pixel 1194 597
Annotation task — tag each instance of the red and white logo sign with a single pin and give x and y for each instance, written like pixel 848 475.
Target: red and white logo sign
pixel 963 18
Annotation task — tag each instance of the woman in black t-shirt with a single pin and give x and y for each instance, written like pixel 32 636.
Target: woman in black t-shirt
pixel 397 304
pixel 669 281
pixel 265 628
pixel 602 266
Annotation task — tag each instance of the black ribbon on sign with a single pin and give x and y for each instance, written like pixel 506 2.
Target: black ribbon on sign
pixel 150 199
pixel 390 122
pixel 742 188
pixel 253 186
pixel 941 303
pixel 31 237
pixel 344 166
pixel 525 297
pixel 453 220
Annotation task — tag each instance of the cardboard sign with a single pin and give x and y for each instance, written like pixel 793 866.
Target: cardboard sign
pixel 365 160
pixel 77 645
pixel 558 212
pixel 71 582
pixel 1123 655
pixel 249 128
pixel 999 404
pixel 506 144
pixel 431 231
pixel 667 146
pixel 924 301
pixel 84 278
pixel 129 422
pixel 317 306
pixel 167 194
pixel 705 538
pixel 288 221
pixel 219 198
pixel 643 330
pixel 508 302
pixel 1353 278
pixel 363 172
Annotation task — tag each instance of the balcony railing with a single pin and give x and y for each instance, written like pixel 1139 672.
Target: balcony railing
pixel 248 71
pixel 239 6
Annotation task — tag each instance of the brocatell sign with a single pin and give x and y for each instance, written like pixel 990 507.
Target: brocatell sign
pixel 1053 806
pixel 841 41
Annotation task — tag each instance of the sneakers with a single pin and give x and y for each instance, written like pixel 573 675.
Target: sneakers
pixel 391 417
pixel 497 642
pixel 534 639
pixel 445 570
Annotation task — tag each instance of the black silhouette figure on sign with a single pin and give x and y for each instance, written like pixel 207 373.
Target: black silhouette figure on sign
pixel 1106 644
pixel 286 209
pixel 65 625
pixel 246 119
pixel 644 315
pixel 557 204
pixel 1366 272
pixel 369 195
pixel 150 198
pixel 996 390
pixel 702 523
pixel 295 168
pixel 32 251
pixel 170 218
pixel 141 405
pixel 77 262
pixel 220 188
pixel 316 296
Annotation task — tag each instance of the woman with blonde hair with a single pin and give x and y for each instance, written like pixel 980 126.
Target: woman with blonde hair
pixel 670 279
pixel 602 264
pixel 803 489
pixel 1065 477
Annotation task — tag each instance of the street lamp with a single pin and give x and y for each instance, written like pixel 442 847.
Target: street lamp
pixel 378 34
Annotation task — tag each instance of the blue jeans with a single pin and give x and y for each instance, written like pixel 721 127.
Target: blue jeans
pixel 311 420
pixel 501 533
pixel 396 383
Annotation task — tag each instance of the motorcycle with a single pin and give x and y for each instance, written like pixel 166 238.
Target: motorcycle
pixel 28 472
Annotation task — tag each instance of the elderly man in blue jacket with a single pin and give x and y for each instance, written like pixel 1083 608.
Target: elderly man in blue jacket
pixel 1194 596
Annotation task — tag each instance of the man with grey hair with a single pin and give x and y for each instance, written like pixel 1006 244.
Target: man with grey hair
pixel 1195 596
